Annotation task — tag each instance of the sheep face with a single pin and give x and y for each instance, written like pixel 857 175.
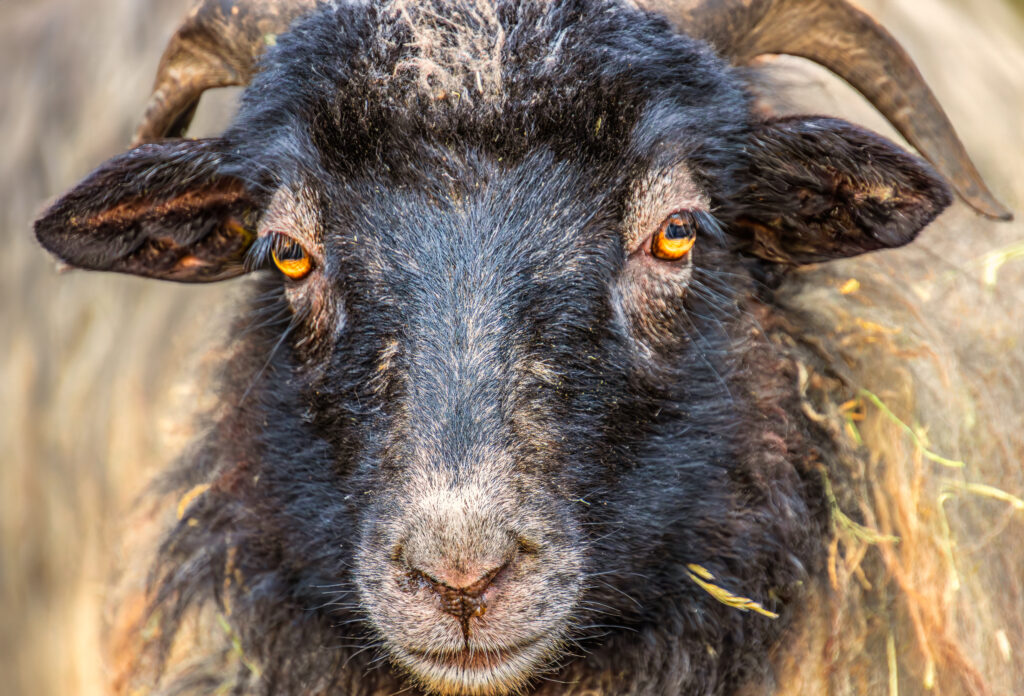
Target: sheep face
pixel 490 365
pixel 505 382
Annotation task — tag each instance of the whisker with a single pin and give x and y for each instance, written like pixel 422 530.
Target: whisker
pixel 621 592
pixel 370 646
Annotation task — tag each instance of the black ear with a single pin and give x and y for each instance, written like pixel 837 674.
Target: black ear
pixel 163 210
pixel 820 189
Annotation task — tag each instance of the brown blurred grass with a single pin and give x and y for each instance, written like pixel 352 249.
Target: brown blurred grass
pixel 96 372
pixel 91 366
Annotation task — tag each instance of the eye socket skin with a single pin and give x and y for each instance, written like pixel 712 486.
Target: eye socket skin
pixel 290 258
pixel 675 237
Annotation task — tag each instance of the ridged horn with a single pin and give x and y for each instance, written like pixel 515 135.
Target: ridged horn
pixel 217 45
pixel 854 46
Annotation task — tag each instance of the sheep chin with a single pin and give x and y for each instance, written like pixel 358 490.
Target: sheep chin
pixel 484 673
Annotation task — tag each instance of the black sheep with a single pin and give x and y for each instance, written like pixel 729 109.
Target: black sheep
pixel 509 416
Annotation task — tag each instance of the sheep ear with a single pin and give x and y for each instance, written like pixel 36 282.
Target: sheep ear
pixel 820 189
pixel 162 210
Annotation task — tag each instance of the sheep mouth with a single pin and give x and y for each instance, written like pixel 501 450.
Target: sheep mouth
pixel 469 658
pixel 476 671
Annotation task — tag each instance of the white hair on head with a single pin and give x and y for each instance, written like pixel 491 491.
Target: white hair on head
pixel 453 50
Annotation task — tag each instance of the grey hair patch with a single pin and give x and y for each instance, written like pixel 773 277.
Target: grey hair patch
pixel 448 50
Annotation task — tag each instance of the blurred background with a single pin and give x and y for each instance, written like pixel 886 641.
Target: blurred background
pixel 98 373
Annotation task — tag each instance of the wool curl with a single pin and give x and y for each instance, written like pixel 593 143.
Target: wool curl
pixel 445 50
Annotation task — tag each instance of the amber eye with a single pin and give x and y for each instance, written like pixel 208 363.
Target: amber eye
pixel 675 237
pixel 290 258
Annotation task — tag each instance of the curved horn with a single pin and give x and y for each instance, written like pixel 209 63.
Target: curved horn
pixel 217 45
pixel 851 44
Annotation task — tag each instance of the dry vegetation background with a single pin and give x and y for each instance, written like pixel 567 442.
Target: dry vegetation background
pixel 98 373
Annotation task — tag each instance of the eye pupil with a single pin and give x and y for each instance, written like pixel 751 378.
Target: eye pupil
pixel 680 230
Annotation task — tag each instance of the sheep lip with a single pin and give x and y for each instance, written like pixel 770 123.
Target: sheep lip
pixel 473 659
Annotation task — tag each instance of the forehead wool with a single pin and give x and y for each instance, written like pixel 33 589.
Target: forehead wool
pixel 448 50
pixel 394 81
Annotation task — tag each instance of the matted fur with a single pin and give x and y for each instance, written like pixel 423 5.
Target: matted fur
pixel 449 50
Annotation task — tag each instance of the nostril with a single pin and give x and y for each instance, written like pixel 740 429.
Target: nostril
pixel 486 580
pixel 461 591
pixel 462 570
pixel 470 582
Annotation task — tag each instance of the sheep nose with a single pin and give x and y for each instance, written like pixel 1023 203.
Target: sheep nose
pixel 461 591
